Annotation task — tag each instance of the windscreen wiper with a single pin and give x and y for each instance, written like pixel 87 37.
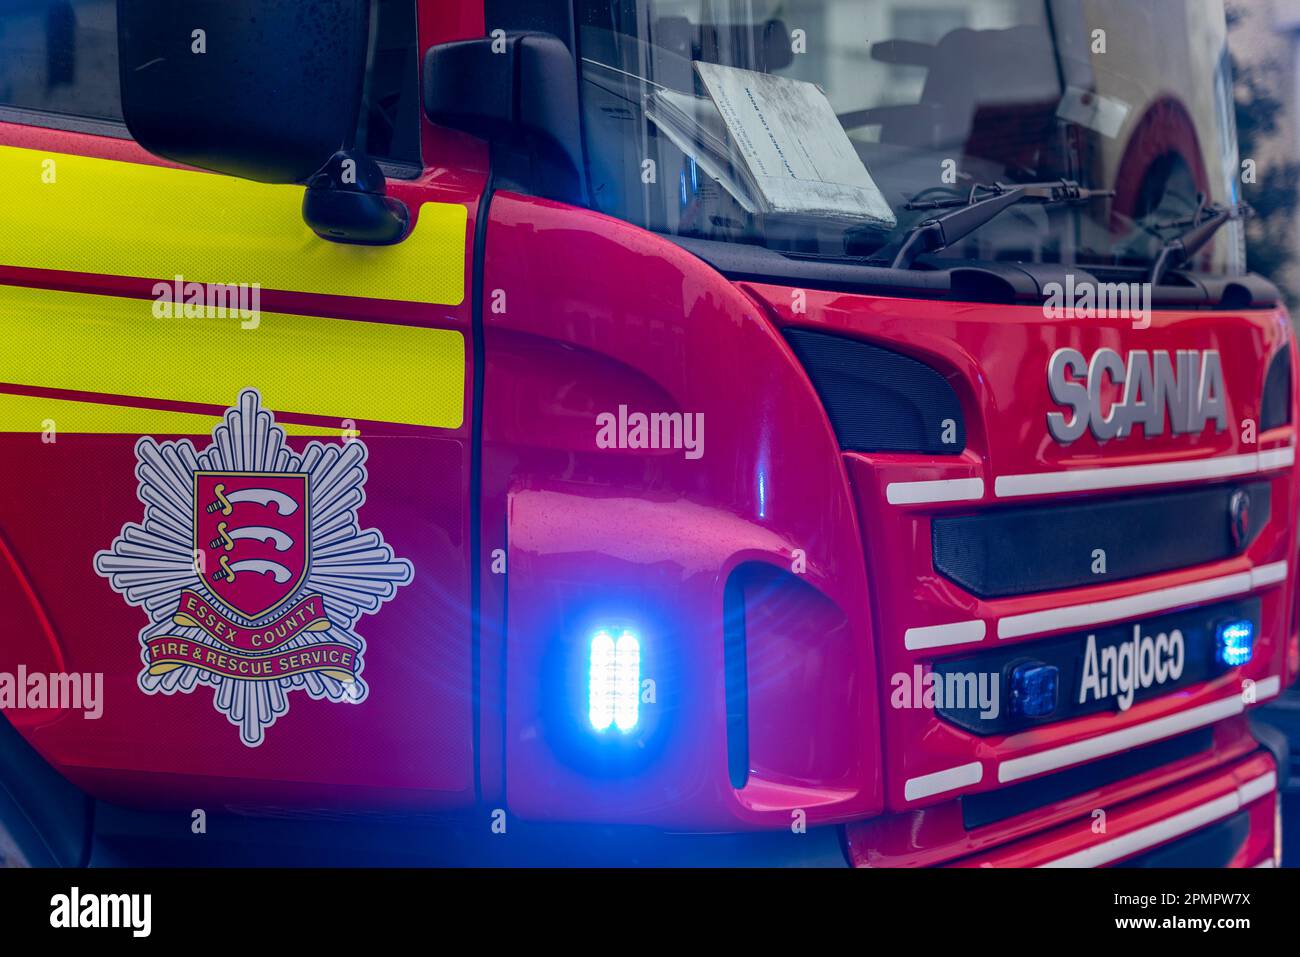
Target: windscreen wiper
pixel 1185 245
pixel 939 232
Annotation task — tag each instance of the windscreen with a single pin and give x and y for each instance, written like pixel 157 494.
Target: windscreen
pixel 829 128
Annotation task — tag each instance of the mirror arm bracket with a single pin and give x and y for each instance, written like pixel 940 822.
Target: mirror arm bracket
pixel 346 202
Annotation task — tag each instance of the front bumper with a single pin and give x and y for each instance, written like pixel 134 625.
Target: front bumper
pixel 1225 817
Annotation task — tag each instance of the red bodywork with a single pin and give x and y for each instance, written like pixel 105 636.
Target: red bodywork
pixel 603 314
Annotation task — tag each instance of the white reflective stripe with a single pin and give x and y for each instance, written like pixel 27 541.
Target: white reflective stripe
pixel 1090 748
pixel 1150 835
pixel 1268 574
pixel 1159 832
pixel 1258 788
pixel 940 490
pixel 1085 480
pixel 1267 687
pixel 940 636
pixel 1098 612
pixel 1131 606
pixel 1014 769
pixel 940 781
pixel 1126 476
pixel 1276 459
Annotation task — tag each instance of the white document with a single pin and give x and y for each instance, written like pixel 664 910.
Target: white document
pixel 793 145
pixel 695 128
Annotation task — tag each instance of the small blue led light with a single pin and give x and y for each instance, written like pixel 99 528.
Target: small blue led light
pixel 1236 642
pixel 614 681
pixel 1033 689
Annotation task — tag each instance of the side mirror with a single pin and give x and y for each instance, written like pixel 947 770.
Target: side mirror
pixel 266 90
pixel 519 91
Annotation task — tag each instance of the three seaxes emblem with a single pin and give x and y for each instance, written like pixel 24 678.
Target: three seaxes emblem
pixel 252 568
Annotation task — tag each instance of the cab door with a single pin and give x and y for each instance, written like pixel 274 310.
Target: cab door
pixel 236 457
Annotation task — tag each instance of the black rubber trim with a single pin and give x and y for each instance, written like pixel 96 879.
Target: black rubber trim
pixel 990 807
pixel 317 837
pixel 879 400
pixel 64 121
pixel 1273 740
pixel 1019 551
pixel 1276 725
pixel 736 680
pixel 968 280
pixel 1275 406
pixel 476 477
pixel 47 816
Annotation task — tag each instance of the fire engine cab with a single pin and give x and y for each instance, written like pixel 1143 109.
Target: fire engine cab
pixel 358 361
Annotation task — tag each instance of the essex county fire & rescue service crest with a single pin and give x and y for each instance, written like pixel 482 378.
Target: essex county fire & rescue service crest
pixel 252 568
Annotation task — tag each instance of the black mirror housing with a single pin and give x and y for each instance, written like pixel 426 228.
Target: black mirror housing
pixel 266 90
pixel 345 203
pixel 519 92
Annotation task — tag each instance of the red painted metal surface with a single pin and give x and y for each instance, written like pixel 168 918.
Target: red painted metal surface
pixel 596 314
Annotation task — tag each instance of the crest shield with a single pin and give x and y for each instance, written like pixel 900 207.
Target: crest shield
pixel 251 538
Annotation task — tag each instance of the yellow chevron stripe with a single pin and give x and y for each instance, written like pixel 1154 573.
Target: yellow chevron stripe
pixel 129 219
pixel 25 413
pixel 329 367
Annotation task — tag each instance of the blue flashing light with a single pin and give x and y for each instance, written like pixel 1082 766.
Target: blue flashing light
pixel 1236 642
pixel 614 681
pixel 1034 689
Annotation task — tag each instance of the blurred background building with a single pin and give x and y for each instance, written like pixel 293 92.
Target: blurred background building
pixel 1264 40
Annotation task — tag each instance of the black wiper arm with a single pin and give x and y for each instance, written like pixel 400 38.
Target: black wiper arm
pixel 939 232
pixel 1186 245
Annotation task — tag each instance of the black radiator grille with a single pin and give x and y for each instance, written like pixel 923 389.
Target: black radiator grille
pixel 1018 551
